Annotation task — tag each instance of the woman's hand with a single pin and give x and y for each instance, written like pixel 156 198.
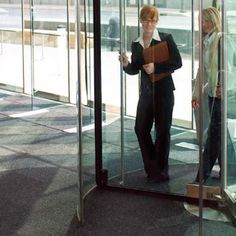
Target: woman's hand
pixel 149 68
pixel 218 91
pixel 195 104
pixel 123 59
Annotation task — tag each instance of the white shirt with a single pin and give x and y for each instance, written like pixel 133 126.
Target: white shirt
pixel 155 36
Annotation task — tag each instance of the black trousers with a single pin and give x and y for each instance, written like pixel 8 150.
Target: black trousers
pixel 157 110
pixel 212 149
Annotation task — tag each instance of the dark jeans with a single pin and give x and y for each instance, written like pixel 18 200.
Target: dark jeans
pixel 212 149
pixel 157 109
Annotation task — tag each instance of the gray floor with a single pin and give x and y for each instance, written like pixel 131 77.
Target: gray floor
pixel 38 181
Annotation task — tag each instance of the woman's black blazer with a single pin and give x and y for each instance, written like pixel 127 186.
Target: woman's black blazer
pixel 137 61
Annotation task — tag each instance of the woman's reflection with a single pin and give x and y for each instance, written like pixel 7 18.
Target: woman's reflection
pixel 211 26
pixel 156 99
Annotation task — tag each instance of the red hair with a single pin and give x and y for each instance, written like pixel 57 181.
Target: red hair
pixel 149 12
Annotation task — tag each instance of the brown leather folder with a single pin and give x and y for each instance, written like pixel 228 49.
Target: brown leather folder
pixel 158 53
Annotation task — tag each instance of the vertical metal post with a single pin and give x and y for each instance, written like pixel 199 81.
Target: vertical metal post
pixel 32 51
pixel 122 84
pixel 201 75
pixel 87 74
pixel 23 44
pixel 85 46
pixel 223 76
pixel 80 207
pixel 68 47
pixel 193 46
pixel 98 90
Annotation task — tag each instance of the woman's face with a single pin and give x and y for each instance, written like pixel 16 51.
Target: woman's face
pixel 207 26
pixel 149 25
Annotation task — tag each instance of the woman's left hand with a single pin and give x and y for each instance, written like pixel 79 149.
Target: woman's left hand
pixel 149 68
pixel 218 91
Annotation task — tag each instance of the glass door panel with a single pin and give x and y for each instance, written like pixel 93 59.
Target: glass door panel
pixel 11 44
pixel 50 49
pixel 111 89
pixel 120 93
pixel 230 101
pixel 87 94
pixel 85 98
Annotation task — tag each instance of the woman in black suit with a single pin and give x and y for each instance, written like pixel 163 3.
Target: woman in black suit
pixel 156 99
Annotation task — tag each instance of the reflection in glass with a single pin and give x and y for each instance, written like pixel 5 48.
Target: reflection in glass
pixel 120 144
pixel 230 65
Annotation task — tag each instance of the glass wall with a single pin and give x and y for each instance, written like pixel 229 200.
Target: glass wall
pixel 46 61
pixel 11 26
pixel 45 54
pixel 229 65
pixel 50 31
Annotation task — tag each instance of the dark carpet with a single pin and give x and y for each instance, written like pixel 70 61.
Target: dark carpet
pixel 39 180
pixel 114 213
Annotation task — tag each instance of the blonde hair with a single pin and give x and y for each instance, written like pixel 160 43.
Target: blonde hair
pixel 149 12
pixel 212 15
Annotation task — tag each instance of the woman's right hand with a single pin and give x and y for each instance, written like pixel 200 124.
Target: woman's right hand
pixel 123 59
pixel 195 104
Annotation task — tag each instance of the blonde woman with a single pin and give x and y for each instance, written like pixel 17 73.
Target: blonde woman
pixel 156 99
pixel 211 26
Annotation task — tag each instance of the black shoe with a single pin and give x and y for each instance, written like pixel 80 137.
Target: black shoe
pixel 161 178
pixel 164 177
pixel 196 181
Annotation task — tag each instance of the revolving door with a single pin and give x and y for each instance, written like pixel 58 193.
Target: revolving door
pixel 118 158
pixel 121 155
